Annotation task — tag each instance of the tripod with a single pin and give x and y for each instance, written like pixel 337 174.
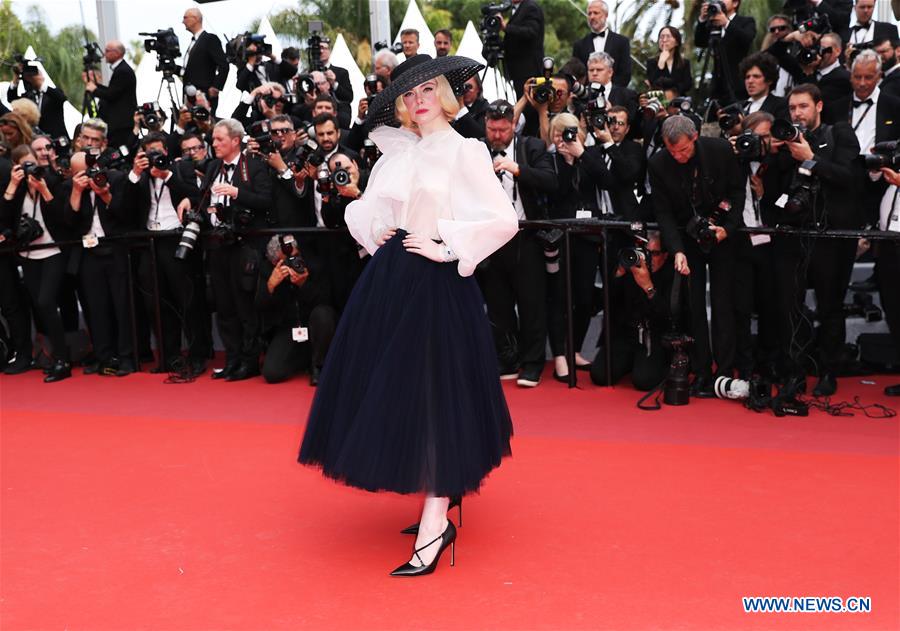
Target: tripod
pixel 89 107
pixel 720 69
pixel 168 81
pixel 494 61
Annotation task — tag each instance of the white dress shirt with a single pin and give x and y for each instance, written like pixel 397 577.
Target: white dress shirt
pixel 862 119
pixel 863 35
pixel 889 216
pixel 96 227
pixel 508 181
pixel 600 40
pixel 32 207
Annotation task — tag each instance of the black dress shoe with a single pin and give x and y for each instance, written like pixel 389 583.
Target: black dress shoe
pixel 826 386
pixel 447 538
pixel 530 376
pixel 314 375
pixel 559 377
pixel 702 388
pixel 92 368
pixel 893 391
pixel 125 368
pixel 224 373
pixel 18 367
pixel 198 366
pixel 242 372
pixel 59 371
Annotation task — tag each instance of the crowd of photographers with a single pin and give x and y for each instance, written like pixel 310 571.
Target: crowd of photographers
pixel 799 134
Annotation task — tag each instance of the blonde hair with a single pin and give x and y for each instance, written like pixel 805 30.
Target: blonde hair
pixel 563 120
pixel 27 109
pixel 448 101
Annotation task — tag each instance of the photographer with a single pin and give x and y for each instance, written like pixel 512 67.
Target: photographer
pixel 514 279
pixel 258 68
pixel 205 65
pixel 540 103
pixel 193 119
pixel 328 138
pixel 760 73
pixel 93 205
pixel 887 262
pixel 155 187
pixel 118 100
pixel 824 198
pixel 640 318
pixel 726 36
pixel 236 194
pixel 866 29
pixel 195 152
pixel 264 102
pixel 523 44
pixel 49 100
pixel 779 27
pixel 323 89
pixel 473 99
pixel 602 39
pixel 338 78
pixel 295 308
pixel 33 207
pixel 698 188
pixel 358 134
pixel 600 69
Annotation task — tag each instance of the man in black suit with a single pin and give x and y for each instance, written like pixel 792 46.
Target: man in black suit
pixel 118 100
pixel 205 66
pixel 830 153
pixel 49 100
pixel 154 192
pixel 474 100
pixel 601 69
pixel 701 177
pixel 727 37
pixel 615 164
pixel 838 12
pixel 338 78
pixel 236 192
pixel 514 279
pixel 760 73
pixel 602 39
pixel 256 69
pixel 866 29
pixel 889 50
pixel 825 70
pixel 523 44
pixel 95 209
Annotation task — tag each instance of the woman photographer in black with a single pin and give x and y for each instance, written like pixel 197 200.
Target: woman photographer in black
pixel 669 63
pixel 575 197
pixel 29 203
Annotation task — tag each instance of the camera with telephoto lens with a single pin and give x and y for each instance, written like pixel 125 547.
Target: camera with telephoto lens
pixel 656 103
pixel 192 221
pixel 199 113
pixel 677 385
pixel 714 7
pixel 261 133
pixel 885 154
pixel 341 176
pixel 818 23
pixel 543 91
pixel 730 116
pixel 749 146
pixel 25 68
pixel 294 261
pixel 62 146
pixel 595 113
pixel 28 230
pixel 95 168
pixel 703 229
pixel 550 240
pixel 308 153
pixel 314 46
pixel 34 170
pixel 786 130
pixel 151 115
pixel 632 257
pixel 369 153
pixel 158 160
pixel 570 134
pixel 165 44
pixel 806 56
pixel 371 84
pixel 803 192
pixel 323 179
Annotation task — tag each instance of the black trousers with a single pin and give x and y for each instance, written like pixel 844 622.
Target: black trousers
pixel 43 278
pixel 830 269
pixel 233 271
pixel 585 259
pixel 103 275
pixel 516 278
pixel 14 307
pixel 754 274
pixel 284 356
pixel 628 355
pixel 887 264
pixel 182 299
pixel 721 277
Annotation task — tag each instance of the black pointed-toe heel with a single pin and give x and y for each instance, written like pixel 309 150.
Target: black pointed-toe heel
pixel 447 538
pixel 454 501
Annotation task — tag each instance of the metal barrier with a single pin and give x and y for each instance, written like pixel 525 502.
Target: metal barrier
pixel 568 226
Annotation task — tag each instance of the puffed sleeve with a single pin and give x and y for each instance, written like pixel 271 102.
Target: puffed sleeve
pixel 483 216
pixel 389 183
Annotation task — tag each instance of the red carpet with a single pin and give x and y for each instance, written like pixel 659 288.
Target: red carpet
pixel 130 504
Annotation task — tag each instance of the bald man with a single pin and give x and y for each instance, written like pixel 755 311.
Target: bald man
pixel 118 100
pixel 205 66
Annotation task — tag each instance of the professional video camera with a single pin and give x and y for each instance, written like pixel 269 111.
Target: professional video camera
pixel 884 154
pixel 749 146
pixel 192 221
pixel 237 49
pixel 730 116
pixel 165 44
pixel 294 261
pixel 542 90
pixel 492 50
pixel 152 117
pixel 677 386
pixel 632 257
pixel 806 56
pixel 62 146
pixel 314 46
pixel 262 134
pixel 702 229
pixel 93 56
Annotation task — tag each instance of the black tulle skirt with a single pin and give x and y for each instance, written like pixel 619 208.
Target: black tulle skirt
pixel 409 399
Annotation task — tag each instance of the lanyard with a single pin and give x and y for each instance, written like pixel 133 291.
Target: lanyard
pixel 863 117
pixel 157 196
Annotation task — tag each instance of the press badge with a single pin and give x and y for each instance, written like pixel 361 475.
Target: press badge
pixel 583 214
pixel 760 239
pixel 155 225
pixel 300 334
pixel 90 241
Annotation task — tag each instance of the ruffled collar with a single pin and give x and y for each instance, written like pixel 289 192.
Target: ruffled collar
pixel 392 140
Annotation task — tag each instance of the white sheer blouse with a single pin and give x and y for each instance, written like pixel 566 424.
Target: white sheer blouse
pixel 442 186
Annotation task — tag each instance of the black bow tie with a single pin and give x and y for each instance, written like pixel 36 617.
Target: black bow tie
pixel 858 103
pixel 496 153
pixel 860 27
pixel 602 34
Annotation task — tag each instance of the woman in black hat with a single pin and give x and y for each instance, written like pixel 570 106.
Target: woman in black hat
pixel 409 399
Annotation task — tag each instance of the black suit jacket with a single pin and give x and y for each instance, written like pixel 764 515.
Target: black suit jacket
pixel 523 43
pixel 837 168
pixel 838 12
pixel 776 106
pixel 466 126
pixel 182 184
pixel 254 184
pixel 680 75
pixel 734 46
pixel 206 66
pixel 116 218
pixel 891 83
pixel 617 46
pixel 247 80
pixel 344 91
pixel 720 178
pixel 836 94
pixel 620 179
pixel 882 30
pixel 536 175
pixel 51 212
pixel 118 100
pixel 478 109
pixel 52 121
pixel 627 98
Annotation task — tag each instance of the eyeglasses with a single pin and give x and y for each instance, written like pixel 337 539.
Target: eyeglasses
pixel 191 150
pixel 281 132
pixel 498 111
pixel 776 29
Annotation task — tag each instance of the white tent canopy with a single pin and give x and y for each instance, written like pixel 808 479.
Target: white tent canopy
pixel 343 58
pixel 414 19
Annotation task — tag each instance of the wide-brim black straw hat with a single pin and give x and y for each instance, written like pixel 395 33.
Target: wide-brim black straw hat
pixel 414 71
